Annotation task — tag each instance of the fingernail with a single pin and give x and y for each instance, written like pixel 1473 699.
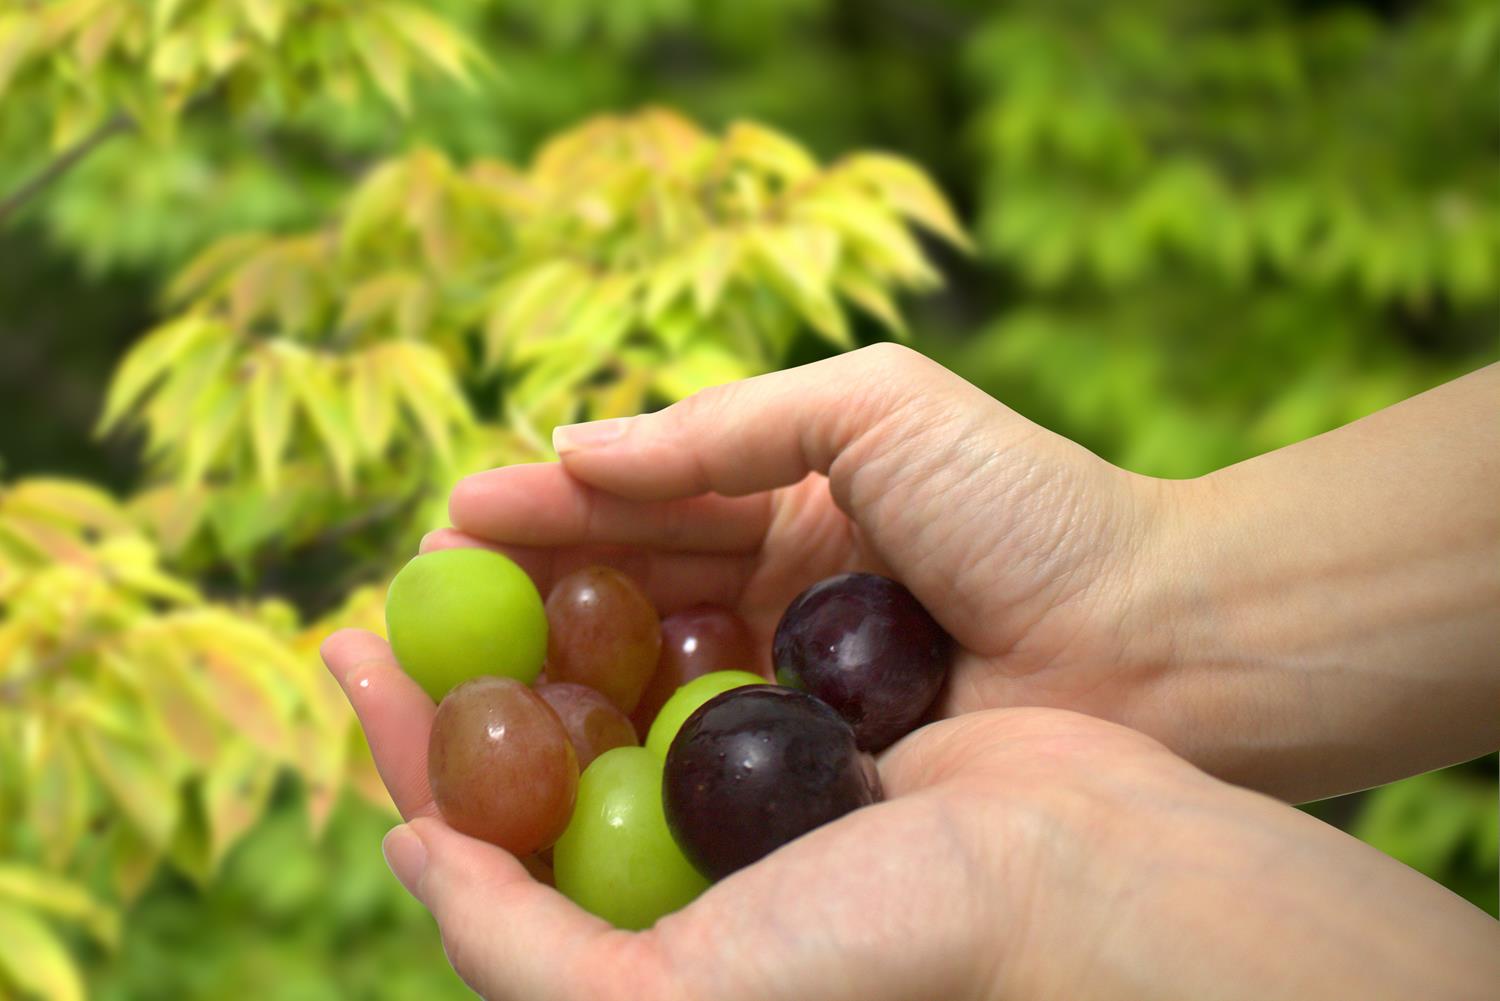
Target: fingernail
pixel 406 855
pixel 577 437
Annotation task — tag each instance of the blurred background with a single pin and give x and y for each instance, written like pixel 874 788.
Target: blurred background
pixel 273 274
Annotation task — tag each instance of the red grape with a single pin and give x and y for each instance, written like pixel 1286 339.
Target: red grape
pixel 593 723
pixel 695 642
pixel 863 644
pixel 603 633
pixel 501 766
pixel 755 767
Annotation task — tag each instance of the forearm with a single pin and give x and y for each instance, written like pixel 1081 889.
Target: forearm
pixel 1265 902
pixel 1337 602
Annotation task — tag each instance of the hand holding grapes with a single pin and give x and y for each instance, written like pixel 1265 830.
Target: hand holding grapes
pixel 1019 853
pixel 1296 623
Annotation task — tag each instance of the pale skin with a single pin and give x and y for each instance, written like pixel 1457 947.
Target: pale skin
pixel 1314 621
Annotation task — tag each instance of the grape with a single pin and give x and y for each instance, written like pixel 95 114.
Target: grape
pixel 604 634
pixel 695 642
pixel 456 614
pixel 754 768
pixel 617 859
pixel 501 766
pixel 593 723
pixel 688 698
pixel 863 644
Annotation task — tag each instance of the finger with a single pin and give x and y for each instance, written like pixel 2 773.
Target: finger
pixel 507 935
pixel 766 432
pixel 539 504
pixel 394 711
pixel 673 581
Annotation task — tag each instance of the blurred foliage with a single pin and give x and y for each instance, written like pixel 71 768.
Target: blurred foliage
pixel 317 259
pixel 637 260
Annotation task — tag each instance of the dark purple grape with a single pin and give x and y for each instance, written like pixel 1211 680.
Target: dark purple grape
pixel 863 644
pixel 755 767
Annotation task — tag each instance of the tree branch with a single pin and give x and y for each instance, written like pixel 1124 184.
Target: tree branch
pixel 119 122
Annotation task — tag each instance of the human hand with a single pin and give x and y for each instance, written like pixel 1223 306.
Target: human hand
pixel 1027 548
pixel 1020 853
pixel 1295 623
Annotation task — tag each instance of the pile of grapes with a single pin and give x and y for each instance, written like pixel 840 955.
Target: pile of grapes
pixel 543 708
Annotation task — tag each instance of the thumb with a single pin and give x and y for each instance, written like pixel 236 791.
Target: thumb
pixel 772 430
pixel 506 935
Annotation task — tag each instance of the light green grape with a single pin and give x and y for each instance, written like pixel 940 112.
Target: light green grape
pixel 455 614
pixel 617 859
pixel 688 698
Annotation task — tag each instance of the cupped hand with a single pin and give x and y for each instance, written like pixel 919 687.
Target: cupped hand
pixel 1036 555
pixel 1020 853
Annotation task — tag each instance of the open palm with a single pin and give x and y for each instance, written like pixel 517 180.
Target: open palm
pixel 979 812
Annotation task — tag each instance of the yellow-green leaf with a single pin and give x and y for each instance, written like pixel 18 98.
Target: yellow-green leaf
pixel 434 38
pixel 149 360
pixel 373 400
pixel 18 35
pixel 139 781
pixel 326 407
pixel 34 959
pixel 771 151
pixel 385 60
pixel 428 390
pixel 212 263
pixel 265 16
pixel 271 414
pixel 872 297
pixel 219 409
pixel 234 796
pixel 797 261
pixel 714 257
pixel 72 503
pixel 47 892
pixel 701 366
pixel 908 190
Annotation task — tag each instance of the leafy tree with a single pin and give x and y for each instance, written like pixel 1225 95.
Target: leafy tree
pixel 331 383
pixel 383 244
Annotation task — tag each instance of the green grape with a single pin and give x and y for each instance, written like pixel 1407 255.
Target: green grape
pixel 617 859
pixel 688 698
pixel 456 614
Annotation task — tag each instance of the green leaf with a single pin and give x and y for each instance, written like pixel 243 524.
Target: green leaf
pixel 532 305
pixel 871 296
pixel 214 262
pixel 701 366
pixel 770 151
pixel 147 362
pixel 18 33
pixel 434 38
pixel 137 779
pixel 385 59
pixel 373 401
pixel 163 14
pixel 234 796
pixel 132 562
pixel 798 261
pixel 219 409
pixel 326 407
pixel 54 895
pixel 714 258
pixel 884 245
pixel 427 387
pixel 908 190
pixel 58 799
pixel 34 960
pixel 373 208
pixel 272 410
pixel 265 16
